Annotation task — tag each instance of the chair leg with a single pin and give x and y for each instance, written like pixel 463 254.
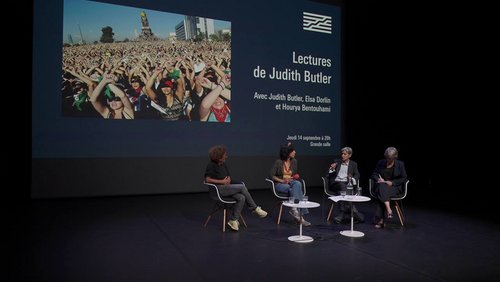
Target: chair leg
pixel 330 212
pixel 224 221
pixel 279 215
pixel 214 210
pixel 243 220
pixel 399 210
pixel 208 219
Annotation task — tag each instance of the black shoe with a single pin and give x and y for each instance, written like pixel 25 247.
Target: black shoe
pixel 380 224
pixel 338 219
pixel 359 218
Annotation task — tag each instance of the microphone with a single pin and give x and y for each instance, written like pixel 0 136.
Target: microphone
pixel 336 161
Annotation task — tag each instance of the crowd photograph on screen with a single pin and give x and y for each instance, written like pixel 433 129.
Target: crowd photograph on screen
pixel 122 62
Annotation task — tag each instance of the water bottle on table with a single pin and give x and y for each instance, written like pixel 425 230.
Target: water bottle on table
pixel 350 187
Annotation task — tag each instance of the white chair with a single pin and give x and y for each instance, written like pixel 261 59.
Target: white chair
pixel 328 194
pixel 283 196
pixel 220 203
pixel 396 199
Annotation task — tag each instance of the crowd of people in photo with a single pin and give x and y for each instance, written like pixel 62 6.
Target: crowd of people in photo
pixel 389 177
pixel 168 80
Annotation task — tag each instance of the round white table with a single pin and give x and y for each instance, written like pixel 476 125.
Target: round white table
pixel 301 238
pixel 351 199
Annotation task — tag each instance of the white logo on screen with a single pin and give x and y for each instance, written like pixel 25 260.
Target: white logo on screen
pixel 317 23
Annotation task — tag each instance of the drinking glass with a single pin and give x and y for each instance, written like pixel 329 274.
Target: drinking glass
pixel 350 190
pixel 359 191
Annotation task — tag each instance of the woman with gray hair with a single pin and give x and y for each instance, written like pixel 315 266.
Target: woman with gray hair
pixel 389 177
pixel 341 172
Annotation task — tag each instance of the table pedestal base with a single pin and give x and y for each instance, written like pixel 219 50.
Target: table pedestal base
pixel 301 239
pixel 352 233
pixel 301 205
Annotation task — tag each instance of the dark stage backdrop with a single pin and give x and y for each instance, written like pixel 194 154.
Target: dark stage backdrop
pixel 285 68
pixel 396 95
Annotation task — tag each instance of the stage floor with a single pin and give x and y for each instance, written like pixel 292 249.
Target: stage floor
pixel 162 238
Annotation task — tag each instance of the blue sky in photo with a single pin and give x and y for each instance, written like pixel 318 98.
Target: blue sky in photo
pixel 91 17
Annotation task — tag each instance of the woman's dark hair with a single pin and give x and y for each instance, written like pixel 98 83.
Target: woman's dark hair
pixel 217 152
pixel 136 78
pixel 285 151
pixel 113 98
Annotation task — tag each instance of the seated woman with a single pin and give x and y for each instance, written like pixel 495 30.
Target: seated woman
pixel 217 173
pixel 389 177
pixel 287 180
pixel 341 172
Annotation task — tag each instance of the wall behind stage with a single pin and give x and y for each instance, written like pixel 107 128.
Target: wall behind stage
pixel 286 86
pixel 86 177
